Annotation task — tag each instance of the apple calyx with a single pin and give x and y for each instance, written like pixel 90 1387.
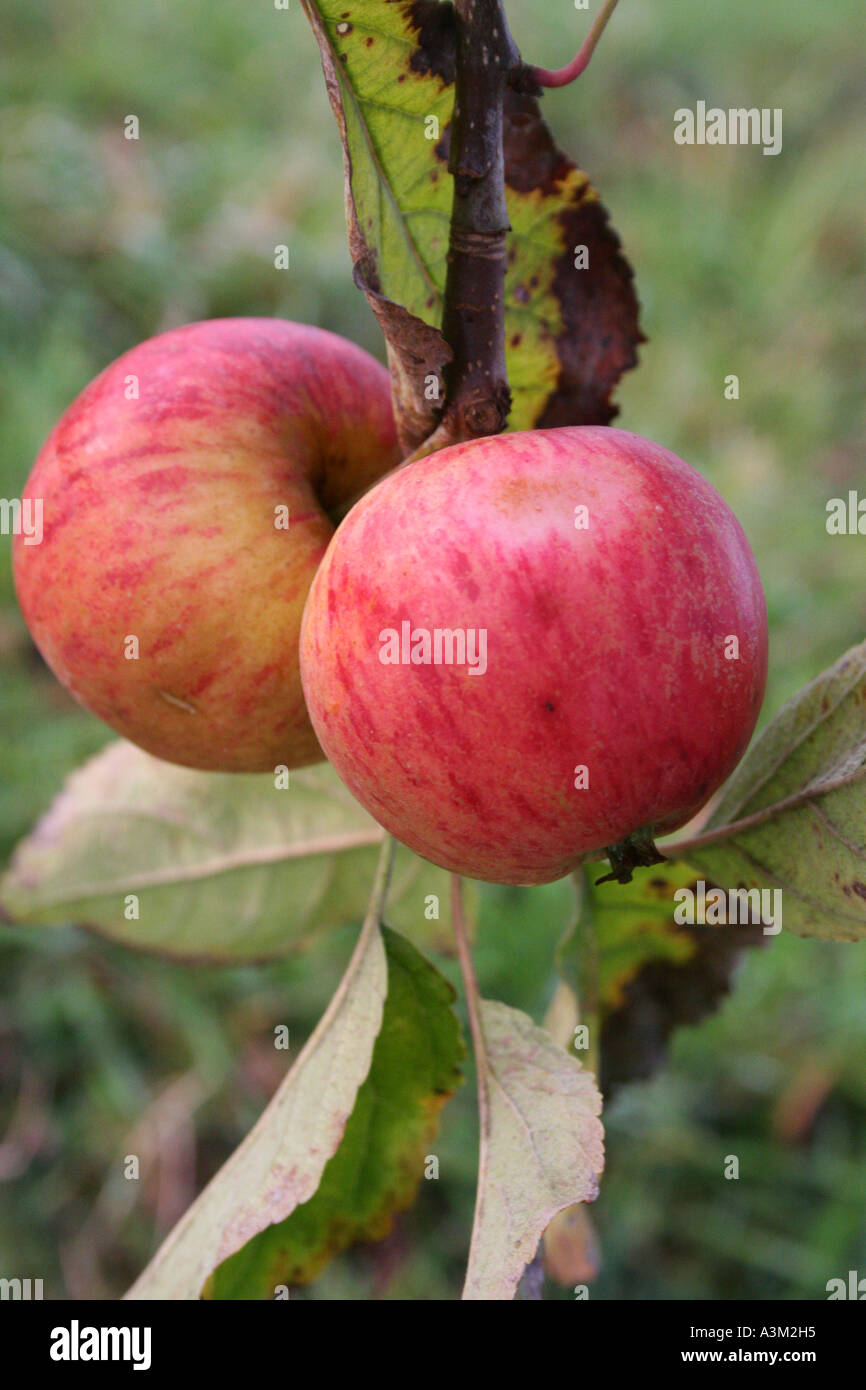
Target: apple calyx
pixel 636 851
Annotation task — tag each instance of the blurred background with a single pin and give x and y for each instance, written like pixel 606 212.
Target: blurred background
pixel 745 264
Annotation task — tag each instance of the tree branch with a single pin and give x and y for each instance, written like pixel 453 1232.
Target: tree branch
pixel 473 324
pixel 473 996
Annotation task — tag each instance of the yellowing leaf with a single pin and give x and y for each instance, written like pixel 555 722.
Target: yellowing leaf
pixel 280 1163
pixel 541 1147
pixel 380 1162
pixel 211 866
pixel 571 311
pixel 793 816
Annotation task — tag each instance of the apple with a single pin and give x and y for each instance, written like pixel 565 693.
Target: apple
pixel 185 498
pixel 536 648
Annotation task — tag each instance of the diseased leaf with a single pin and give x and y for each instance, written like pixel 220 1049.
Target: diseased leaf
pixel 281 1161
pixel 541 1148
pixel 666 994
pixel 417 353
pixel 398 193
pixel 570 332
pixel 793 816
pixel 651 974
pixel 635 926
pixel 380 1162
pixel 224 867
pixel 571 314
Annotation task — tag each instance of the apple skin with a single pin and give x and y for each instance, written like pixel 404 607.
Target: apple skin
pixel 605 649
pixel 159 523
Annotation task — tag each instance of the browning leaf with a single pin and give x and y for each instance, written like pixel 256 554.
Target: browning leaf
pixel 650 974
pixel 663 995
pixel 570 333
pixel 365 66
pixel 416 351
pixel 592 313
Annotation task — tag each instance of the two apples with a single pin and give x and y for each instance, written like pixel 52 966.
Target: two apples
pixel 516 653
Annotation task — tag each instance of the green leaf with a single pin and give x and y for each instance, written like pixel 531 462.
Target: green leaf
pixel 380 1162
pixel 541 1147
pixel 224 867
pixel 280 1163
pixel 570 332
pixel 793 816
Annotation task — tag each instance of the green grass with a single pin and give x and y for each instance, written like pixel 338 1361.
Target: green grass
pixel 744 264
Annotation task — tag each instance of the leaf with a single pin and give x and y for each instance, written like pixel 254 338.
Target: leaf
pixel 225 867
pixel 541 1147
pixel 651 974
pixel 280 1162
pixel 570 332
pixel 381 97
pixel 793 816
pixel 635 926
pixel 380 1162
pixel 664 995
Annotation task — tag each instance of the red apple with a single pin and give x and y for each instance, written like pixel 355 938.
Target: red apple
pixel 166 593
pixel 615 637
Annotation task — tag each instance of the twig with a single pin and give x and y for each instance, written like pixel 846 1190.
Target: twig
pixel 473 996
pixel 473 321
pixel 588 976
pixel 482 1067
pixel 682 848
pixel 560 77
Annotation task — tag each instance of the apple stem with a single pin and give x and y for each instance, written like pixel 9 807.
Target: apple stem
pixel 560 77
pixel 636 851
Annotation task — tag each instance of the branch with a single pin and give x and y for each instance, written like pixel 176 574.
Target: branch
pixel 560 77
pixel 680 849
pixel 588 977
pixel 473 323
pixel 473 996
